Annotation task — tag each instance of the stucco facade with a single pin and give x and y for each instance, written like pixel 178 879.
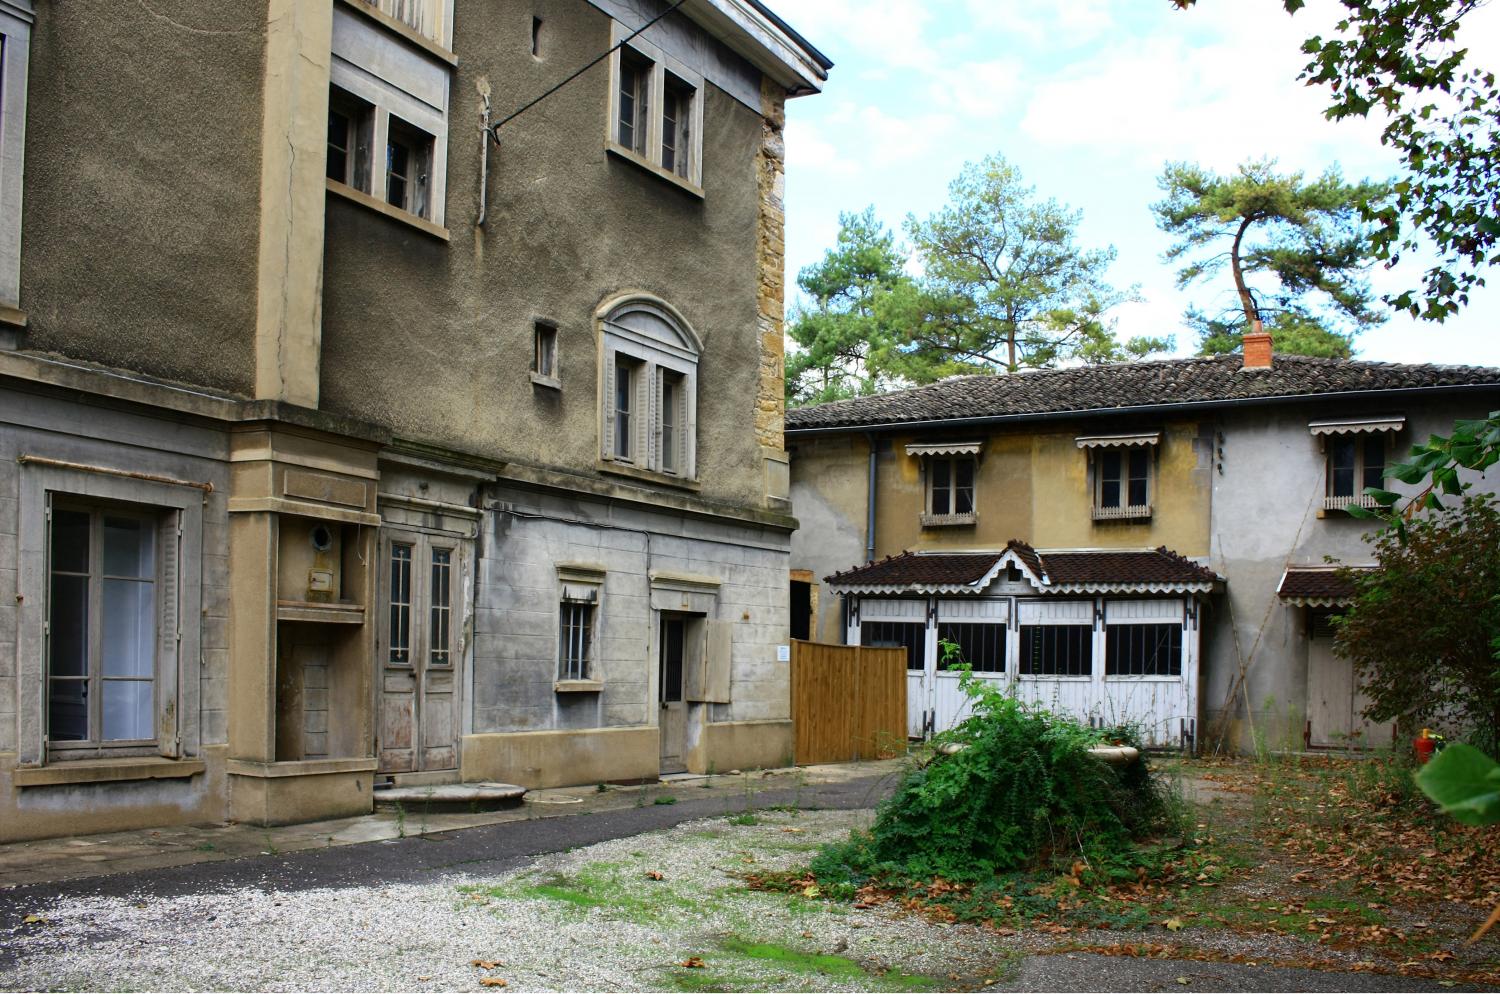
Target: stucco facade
pixel 1238 482
pixel 364 410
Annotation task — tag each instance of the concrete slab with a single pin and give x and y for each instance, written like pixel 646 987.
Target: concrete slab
pixel 473 797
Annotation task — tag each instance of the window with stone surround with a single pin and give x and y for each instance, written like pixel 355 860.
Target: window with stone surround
pixel 655 111
pixel 388 119
pixel 580 596
pixel 648 400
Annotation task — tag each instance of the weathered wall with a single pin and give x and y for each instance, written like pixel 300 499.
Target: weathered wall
pixel 1265 518
pixel 142 186
pixel 45 423
pixel 434 339
pixel 526 534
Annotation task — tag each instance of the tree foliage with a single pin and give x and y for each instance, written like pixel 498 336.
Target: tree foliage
pixel 1423 625
pixel 1402 59
pixel 1293 331
pixel 842 335
pixel 1006 284
pixel 1296 251
pixel 1435 466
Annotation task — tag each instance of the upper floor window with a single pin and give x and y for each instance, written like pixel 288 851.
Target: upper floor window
pixel 1355 454
pixel 950 470
pixel 388 106
pixel 15 43
pixel 1354 463
pixel 1121 468
pixel 656 110
pixel 648 405
pixel 432 19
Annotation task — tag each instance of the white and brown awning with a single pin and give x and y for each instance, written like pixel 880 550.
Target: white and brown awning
pixel 1127 441
pixel 944 449
pixel 1357 426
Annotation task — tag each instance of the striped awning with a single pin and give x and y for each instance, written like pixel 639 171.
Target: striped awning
pixel 945 449
pixel 1118 441
pixel 1355 426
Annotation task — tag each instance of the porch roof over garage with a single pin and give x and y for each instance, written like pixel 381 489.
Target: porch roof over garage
pixel 1317 586
pixel 1061 571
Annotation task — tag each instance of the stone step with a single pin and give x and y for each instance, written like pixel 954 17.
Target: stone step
pixel 456 797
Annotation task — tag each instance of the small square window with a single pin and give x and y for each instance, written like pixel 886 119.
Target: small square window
pixel 544 351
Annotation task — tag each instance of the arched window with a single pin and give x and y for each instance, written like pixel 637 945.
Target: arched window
pixel 649 380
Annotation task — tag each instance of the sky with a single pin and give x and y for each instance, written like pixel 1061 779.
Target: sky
pixel 1089 99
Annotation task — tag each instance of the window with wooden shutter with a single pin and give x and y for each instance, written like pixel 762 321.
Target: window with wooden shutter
pixel 649 382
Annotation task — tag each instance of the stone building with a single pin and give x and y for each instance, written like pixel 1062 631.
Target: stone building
pixel 1145 542
pixel 345 443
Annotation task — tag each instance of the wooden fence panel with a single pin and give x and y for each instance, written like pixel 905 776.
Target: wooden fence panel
pixel 848 702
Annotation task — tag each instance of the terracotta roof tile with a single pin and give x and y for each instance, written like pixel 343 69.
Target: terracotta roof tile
pixel 1132 384
pixel 1316 583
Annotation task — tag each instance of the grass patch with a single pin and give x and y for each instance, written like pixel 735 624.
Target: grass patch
pixel 665 800
pixel 745 819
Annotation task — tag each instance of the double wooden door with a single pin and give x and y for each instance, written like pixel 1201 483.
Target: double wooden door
pixel 418 654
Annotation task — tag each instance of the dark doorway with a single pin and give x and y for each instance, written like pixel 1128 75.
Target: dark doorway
pixel 801 610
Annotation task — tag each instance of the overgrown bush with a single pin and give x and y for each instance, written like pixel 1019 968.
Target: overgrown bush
pixel 1022 791
pixel 1423 629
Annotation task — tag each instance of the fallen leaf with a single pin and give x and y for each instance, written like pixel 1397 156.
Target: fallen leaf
pixel 425 977
pixel 1182 980
pixel 34 920
pixel 493 982
pixel 693 963
pixel 1173 924
pixel 486 964
pixel 654 875
pixel 811 890
pixel 792 830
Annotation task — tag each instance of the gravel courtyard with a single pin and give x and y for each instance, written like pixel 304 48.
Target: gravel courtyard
pixel 591 919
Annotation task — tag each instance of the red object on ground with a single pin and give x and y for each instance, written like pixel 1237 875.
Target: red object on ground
pixel 1424 747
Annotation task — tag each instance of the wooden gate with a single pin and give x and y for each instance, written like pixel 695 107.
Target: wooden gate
pixel 848 702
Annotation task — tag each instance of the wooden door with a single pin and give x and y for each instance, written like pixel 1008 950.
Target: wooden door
pixel 1335 704
pixel 417 656
pixel 672 653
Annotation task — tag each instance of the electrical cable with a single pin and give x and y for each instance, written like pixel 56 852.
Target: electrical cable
pixel 494 129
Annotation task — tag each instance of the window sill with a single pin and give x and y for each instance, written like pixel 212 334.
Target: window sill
pixel 550 382
pixel 621 152
pixel 402 31
pixel 1126 678
pixel 1034 678
pixel 106 771
pixel 578 686
pixel 948 520
pixel 12 316
pixel 381 207
pixel 648 475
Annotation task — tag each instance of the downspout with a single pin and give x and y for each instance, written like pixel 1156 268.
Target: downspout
pixel 483 86
pixel 870 506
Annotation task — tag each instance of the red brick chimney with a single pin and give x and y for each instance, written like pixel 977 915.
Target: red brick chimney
pixel 1257 344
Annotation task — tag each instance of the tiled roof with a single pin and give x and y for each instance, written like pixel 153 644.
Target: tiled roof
pixel 1319 586
pixel 1132 384
pixel 1160 565
pixel 925 568
pixel 1095 569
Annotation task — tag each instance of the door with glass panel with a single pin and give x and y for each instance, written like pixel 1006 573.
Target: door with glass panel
pixel 418 653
